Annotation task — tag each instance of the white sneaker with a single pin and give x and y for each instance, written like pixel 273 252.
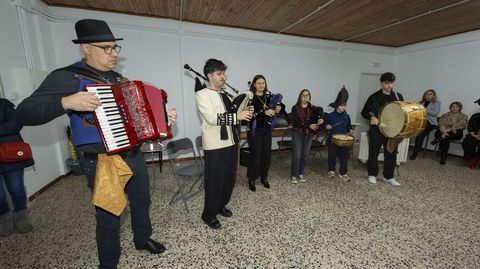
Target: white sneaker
pixel 293 180
pixel 331 174
pixel 345 177
pixel 392 181
pixel 301 179
pixel 372 179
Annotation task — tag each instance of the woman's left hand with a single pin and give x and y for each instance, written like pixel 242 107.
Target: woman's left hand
pixel 270 112
pixel 277 109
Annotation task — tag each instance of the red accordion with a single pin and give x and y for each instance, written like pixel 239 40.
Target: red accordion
pixel 131 113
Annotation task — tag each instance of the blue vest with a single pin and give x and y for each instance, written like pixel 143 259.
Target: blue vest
pixel 83 135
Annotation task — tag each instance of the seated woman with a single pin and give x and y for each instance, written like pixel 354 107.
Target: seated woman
pixel 450 127
pixel 429 101
pixel 471 143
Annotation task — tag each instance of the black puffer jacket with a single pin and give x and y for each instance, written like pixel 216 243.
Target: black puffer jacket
pixel 10 132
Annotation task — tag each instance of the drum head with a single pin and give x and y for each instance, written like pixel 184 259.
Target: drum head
pixel 391 119
pixel 342 137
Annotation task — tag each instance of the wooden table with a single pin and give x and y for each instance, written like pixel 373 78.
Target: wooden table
pixel 276 132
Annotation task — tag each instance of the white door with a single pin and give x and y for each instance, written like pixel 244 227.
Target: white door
pixel 369 83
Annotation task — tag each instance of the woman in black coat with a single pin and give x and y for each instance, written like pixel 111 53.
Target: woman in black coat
pixel 11 176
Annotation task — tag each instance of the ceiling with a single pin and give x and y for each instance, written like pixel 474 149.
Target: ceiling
pixel 392 23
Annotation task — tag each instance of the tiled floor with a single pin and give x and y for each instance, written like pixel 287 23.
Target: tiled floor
pixel 431 221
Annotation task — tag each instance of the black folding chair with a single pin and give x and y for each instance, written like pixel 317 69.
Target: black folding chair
pixel 199 145
pixel 285 142
pixel 187 175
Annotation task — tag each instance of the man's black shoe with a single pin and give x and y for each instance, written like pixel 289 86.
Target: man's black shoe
pixel 265 183
pixel 153 247
pixel 251 185
pixel 225 212
pixel 213 223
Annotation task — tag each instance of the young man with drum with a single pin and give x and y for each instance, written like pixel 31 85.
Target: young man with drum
pixel 340 128
pixel 371 112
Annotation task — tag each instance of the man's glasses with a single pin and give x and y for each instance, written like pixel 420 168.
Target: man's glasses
pixel 109 49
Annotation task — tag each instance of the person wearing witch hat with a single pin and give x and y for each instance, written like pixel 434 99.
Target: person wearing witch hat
pixel 62 93
pixel 371 111
pixel 338 122
pixel 471 143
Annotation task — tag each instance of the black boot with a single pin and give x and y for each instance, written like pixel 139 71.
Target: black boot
pixel 251 184
pixel 414 155
pixel 443 157
pixel 265 183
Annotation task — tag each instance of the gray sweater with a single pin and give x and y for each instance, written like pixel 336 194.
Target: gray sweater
pixel 433 109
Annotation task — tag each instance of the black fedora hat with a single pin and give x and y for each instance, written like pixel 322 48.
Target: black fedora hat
pixel 89 31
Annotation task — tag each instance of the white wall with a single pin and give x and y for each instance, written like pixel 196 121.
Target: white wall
pixel 48 141
pixel 449 65
pixel 155 50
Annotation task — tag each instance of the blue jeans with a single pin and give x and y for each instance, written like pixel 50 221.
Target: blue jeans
pixel 301 144
pixel 14 182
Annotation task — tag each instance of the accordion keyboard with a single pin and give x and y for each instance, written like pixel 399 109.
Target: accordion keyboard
pixel 110 119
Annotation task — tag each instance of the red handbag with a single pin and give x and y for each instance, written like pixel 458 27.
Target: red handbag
pixel 12 152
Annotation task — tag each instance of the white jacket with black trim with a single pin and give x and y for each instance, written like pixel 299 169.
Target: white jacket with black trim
pixel 214 115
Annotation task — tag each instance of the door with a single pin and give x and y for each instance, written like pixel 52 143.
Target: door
pixel 369 83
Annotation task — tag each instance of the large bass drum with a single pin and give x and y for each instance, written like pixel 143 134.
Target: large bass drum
pixel 402 119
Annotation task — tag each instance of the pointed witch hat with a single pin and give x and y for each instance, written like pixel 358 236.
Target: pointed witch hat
pixel 342 98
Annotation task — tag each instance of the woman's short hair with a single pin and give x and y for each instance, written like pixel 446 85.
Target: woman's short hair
pixel 456 103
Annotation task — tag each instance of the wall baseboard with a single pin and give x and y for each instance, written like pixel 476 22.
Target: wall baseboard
pixel 46 187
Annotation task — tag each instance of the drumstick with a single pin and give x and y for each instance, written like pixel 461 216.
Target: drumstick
pixel 383 125
pixel 338 123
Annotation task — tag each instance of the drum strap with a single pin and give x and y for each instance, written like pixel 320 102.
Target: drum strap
pixel 392 143
pixel 396 95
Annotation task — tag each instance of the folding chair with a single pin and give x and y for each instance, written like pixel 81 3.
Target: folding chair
pixel 199 145
pixel 427 138
pixel 153 148
pixel 318 144
pixel 285 142
pixel 186 174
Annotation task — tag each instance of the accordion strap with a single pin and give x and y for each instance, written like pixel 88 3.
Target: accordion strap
pixel 88 74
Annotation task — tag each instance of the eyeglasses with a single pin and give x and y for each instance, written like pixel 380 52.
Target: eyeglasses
pixel 109 49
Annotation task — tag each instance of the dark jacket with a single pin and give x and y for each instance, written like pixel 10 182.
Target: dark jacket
pixel 474 123
pixel 340 122
pixel 10 132
pixel 261 120
pixel 376 101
